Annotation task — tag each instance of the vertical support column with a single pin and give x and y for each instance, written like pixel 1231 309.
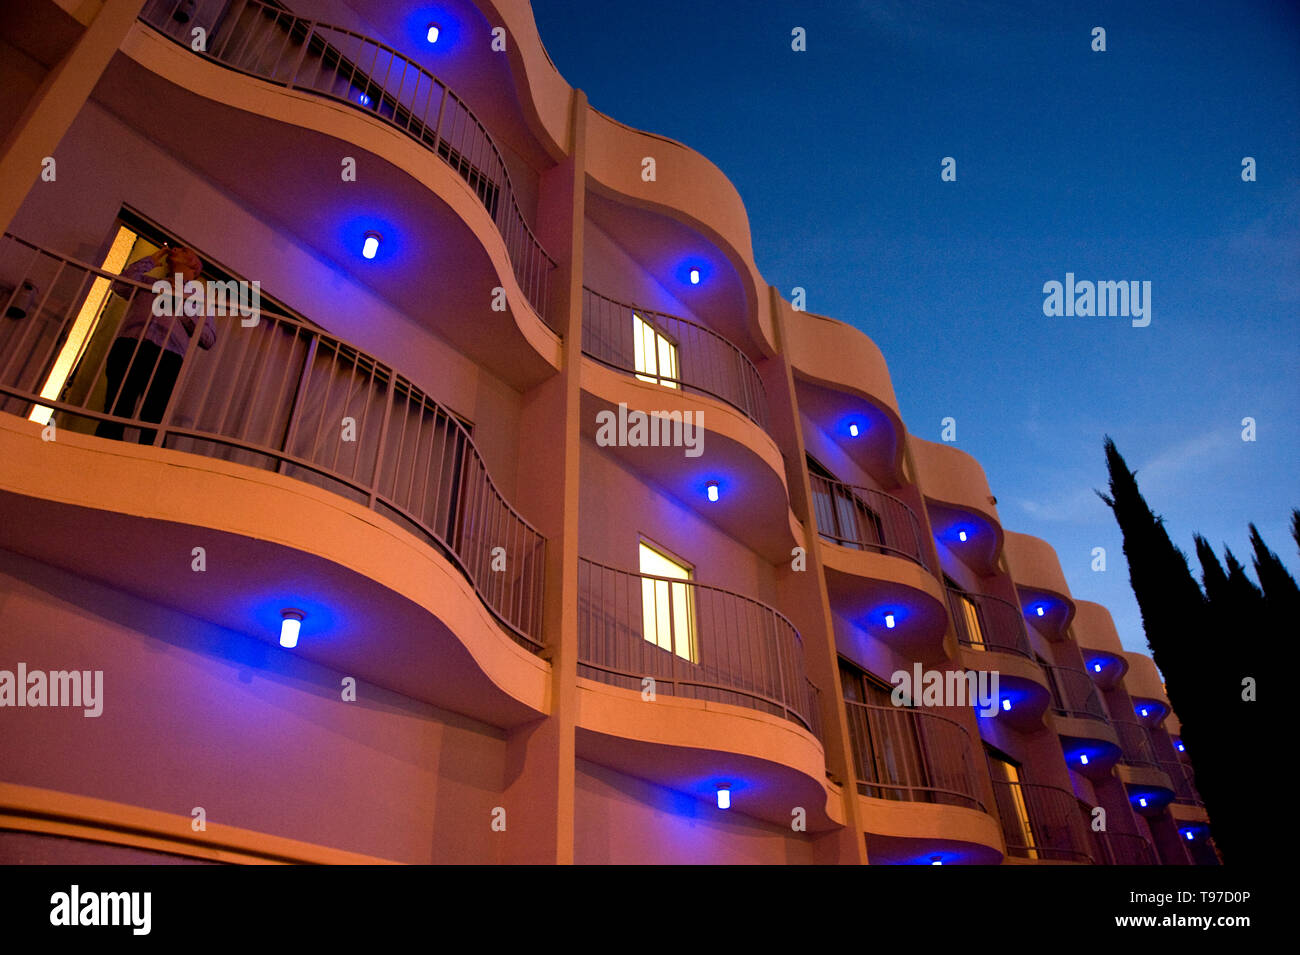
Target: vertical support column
pixel 540 758
pixel 807 603
pixel 57 102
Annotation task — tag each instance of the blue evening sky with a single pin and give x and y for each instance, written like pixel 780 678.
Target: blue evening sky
pixel 1117 165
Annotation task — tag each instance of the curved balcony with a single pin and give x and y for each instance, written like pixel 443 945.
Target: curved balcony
pixel 696 641
pixel 1042 823
pixel 672 352
pixel 1135 743
pixel 985 622
pixel 1124 848
pixel 1073 694
pixel 272 44
pixel 1180 774
pixel 272 396
pixel 910 754
pixel 862 518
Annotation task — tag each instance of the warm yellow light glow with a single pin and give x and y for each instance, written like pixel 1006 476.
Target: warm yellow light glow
pixel 972 618
pixel 666 609
pixel 656 355
pixel 1021 810
pixel 84 326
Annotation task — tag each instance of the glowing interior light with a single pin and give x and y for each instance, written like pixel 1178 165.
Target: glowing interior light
pixel 724 797
pixel 1179 744
pixel 1096 668
pixel 1039 611
pixel 961 536
pixel 1006 704
pixel 935 860
pixel 1144 711
pixel 434 30
pixel 363 99
pixel 853 430
pixel 1083 759
pixel 289 627
pixel 1142 801
pixel 889 621
pixel 695 276
pixel 1188 833
pixel 371 245
pixel 712 488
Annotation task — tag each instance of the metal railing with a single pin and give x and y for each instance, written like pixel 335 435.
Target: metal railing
pixel 1135 743
pixel 1042 822
pixel 694 640
pixel 673 352
pixel 1073 693
pixel 272 44
pixel 863 518
pixel 985 622
pixel 911 754
pixel 1184 781
pixel 280 395
pixel 1123 848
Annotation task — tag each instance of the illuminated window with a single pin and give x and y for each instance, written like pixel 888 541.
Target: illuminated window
pixel 87 321
pixel 656 354
pixel 1016 824
pixel 968 613
pixel 667 609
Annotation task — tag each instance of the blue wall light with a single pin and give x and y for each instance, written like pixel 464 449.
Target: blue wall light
pixel 695 276
pixel 1083 759
pixel 712 490
pixel 961 536
pixel 724 796
pixel 1006 705
pixel 370 248
pixel 1181 747
pixel 890 622
pixel 290 625
pixel 1144 711
pixel 1039 610
pixel 853 430
pixel 1142 801
pixel 1096 668
pixel 432 33
pixel 935 860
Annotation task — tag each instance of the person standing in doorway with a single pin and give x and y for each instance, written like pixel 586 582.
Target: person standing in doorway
pixel 146 356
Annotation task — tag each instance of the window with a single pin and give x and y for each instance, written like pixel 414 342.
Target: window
pixel 656 354
pixel 842 516
pixel 887 748
pixel 667 609
pixel 968 614
pixel 1016 825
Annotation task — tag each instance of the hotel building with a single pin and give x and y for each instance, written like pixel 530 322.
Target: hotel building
pixel 497 510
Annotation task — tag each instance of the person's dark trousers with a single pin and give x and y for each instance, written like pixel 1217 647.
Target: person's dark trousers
pixel 128 379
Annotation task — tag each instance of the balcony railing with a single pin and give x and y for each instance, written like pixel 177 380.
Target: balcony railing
pixel 1184 782
pixel 272 44
pixel 673 352
pixel 911 754
pixel 1123 848
pixel 1135 743
pixel 985 622
pixel 695 641
pixel 1042 822
pixel 277 395
pixel 1073 693
pixel 863 518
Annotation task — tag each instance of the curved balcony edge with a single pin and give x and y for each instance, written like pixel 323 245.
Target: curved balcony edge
pixel 346 67
pixel 289 378
pixel 672 352
pixel 694 640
